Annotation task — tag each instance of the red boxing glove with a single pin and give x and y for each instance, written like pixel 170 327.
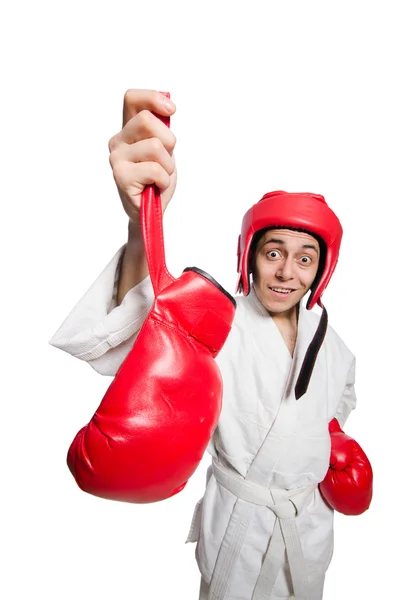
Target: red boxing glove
pixel 156 419
pixel 347 487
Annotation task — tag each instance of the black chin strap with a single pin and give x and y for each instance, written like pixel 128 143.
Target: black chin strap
pixel 310 356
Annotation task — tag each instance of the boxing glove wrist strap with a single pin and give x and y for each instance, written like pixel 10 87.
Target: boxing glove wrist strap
pixel 151 216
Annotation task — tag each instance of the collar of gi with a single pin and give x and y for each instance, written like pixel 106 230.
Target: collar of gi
pixel 303 380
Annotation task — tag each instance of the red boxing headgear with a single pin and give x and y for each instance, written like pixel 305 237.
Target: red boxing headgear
pixel 302 211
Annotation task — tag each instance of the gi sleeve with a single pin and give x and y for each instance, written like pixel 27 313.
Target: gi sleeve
pixel 99 332
pixel 348 400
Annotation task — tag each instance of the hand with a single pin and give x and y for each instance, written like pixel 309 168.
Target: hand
pixel 142 152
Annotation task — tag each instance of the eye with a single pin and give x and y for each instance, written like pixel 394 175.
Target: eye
pixel 273 254
pixel 306 259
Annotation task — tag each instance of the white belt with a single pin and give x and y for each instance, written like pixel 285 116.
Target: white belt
pixel 286 505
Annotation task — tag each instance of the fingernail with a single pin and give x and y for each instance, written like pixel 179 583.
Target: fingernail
pixel 167 103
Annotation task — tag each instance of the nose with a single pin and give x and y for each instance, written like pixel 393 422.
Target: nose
pixel 286 270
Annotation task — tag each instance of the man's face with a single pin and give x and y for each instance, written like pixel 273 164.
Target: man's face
pixel 285 265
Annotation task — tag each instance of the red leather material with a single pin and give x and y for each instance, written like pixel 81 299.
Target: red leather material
pixel 347 486
pixel 157 417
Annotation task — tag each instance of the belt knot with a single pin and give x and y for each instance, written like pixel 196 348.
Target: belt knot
pixel 284 510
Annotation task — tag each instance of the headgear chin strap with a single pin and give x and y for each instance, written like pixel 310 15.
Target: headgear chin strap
pixel 306 212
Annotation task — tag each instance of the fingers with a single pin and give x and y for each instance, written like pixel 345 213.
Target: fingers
pixel 147 150
pixel 146 125
pixel 136 101
pixel 140 123
pixel 132 178
pixel 143 126
pixel 142 152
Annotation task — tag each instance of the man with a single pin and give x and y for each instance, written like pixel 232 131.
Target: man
pixel 263 528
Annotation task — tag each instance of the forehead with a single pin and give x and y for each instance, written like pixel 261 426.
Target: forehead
pixel 289 236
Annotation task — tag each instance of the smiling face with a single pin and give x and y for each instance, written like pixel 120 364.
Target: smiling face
pixel 285 265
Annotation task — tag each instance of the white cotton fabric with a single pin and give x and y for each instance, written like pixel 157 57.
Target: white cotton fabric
pixel 259 406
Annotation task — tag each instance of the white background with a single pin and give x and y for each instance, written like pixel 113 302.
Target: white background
pixel 270 95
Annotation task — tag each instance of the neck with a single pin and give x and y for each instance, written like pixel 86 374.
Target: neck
pixel 287 317
pixel 287 324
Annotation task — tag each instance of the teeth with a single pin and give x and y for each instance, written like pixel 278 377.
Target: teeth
pixel 283 291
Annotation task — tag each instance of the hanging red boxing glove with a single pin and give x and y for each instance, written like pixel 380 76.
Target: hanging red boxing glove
pixel 347 487
pixel 156 419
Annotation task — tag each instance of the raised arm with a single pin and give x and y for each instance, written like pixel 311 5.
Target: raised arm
pixel 141 154
pixel 102 327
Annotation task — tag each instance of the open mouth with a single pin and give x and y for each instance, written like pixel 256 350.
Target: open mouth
pixel 282 291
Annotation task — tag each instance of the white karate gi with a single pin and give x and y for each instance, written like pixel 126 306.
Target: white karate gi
pixel 267 447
